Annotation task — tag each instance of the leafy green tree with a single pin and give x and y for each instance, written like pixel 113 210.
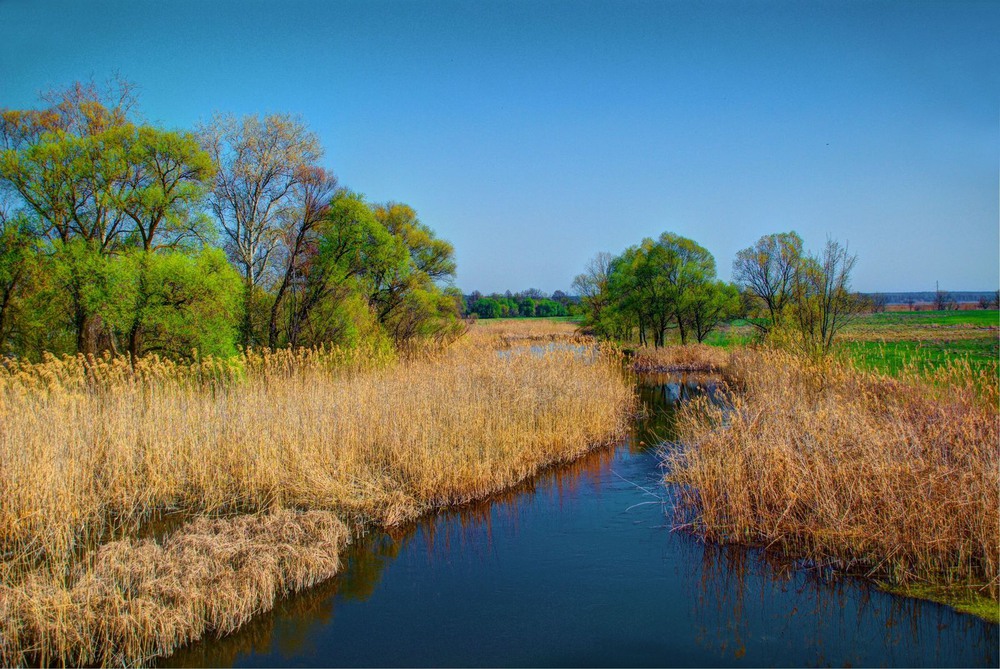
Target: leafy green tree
pixel 405 288
pixel 708 305
pixel 66 167
pixel 191 302
pixel 16 264
pixel 168 175
pixel 654 287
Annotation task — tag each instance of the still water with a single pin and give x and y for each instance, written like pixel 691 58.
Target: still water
pixel 580 568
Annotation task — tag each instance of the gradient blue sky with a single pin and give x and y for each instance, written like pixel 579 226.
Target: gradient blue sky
pixel 534 134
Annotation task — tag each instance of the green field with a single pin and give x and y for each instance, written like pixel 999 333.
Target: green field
pixel 984 318
pixel 891 341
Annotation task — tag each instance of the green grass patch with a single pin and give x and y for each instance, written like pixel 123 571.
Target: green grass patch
pixel 959 598
pixel 984 318
pixel 893 356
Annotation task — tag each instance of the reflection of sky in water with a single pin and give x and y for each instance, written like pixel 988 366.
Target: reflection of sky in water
pixel 541 349
pixel 579 567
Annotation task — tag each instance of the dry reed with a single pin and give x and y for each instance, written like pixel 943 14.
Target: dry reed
pixel 689 358
pixel 895 478
pixel 90 454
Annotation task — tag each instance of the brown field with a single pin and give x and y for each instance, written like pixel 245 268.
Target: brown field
pixel 265 459
pixel 897 479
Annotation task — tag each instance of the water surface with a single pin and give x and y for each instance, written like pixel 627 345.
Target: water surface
pixel 580 568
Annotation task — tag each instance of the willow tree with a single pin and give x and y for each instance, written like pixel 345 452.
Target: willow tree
pixel 408 286
pixel 167 177
pixel 65 167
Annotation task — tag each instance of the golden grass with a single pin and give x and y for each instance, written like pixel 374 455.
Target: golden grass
pixel 511 332
pixel 898 479
pixel 88 457
pixel 929 332
pixel 689 358
pixel 134 599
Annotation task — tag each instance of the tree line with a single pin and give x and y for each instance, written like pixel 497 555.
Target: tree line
pixel 531 303
pixel 669 285
pixel 119 235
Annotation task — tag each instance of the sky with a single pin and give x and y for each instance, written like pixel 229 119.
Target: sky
pixel 533 135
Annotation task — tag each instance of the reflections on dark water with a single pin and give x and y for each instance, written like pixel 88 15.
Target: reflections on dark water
pixel 578 568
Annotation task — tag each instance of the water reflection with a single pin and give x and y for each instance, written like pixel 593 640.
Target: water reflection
pixel 577 567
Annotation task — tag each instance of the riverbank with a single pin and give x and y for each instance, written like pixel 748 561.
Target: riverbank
pixel 894 478
pixel 272 459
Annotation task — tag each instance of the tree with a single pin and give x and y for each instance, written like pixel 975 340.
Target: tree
pixel 259 163
pixel 710 304
pixel 16 256
pixel 67 168
pixel 823 301
pixel 405 285
pixel 592 286
pixel 689 269
pixel 300 230
pixel 879 303
pixel 943 300
pixel 343 253
pixel 168 175
pixel 767 271
pixel 191 303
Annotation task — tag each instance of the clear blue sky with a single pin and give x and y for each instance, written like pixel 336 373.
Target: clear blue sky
pixel 533 135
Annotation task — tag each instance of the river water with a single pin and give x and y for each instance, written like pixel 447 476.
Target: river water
pixel 580 568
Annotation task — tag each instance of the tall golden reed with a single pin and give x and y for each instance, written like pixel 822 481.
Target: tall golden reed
pixel 265 456
pixel 895 478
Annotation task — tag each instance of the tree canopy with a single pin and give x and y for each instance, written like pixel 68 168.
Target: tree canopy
pixel 119 235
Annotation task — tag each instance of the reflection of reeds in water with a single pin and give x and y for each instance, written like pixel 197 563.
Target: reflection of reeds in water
pixel 467 527
pixel 87 455
pixel 730 582
pixel 898 479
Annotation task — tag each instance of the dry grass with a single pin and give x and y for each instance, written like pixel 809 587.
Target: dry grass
pixel 898 479
pixel 689 358
pixel 86 459
pixel 513 332
pixel 134 599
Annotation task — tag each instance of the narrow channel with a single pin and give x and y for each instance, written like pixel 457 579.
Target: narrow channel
pixel 579 567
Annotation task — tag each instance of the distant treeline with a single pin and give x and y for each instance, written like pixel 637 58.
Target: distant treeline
pixel 930 297
pixel 118 235
pixel 531 303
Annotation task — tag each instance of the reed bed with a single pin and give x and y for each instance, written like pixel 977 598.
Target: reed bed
pixel 91 454
pixel 689 358
pixel 894 478
pixel 514 332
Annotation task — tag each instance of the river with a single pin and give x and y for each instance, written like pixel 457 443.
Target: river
pixel 579 567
